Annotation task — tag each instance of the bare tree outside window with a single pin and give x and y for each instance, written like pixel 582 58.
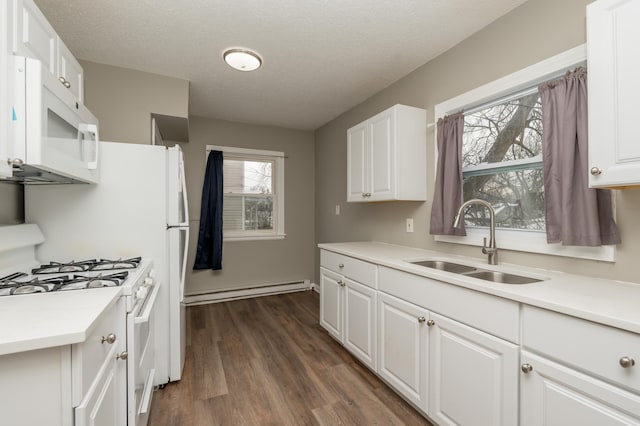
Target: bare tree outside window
pixel 502 163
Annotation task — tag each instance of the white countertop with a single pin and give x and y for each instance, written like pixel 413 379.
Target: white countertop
pixel 609 302
pixel 37 321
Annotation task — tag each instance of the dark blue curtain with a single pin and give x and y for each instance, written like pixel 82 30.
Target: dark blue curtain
pixel 209 249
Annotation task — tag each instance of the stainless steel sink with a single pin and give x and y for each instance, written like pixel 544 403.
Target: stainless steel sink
pixel 442 265
pixel 470 271
pixel 502 277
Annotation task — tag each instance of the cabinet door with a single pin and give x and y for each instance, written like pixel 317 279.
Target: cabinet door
pixel 70 70
pixel 34 37
pixel 382 159
pixel 552 394
pixel 104 403
pixel 6 100
pixel 612 50
pixel 360 322
pixel 473 376
pixel 357 163
pixel 331 303
pixel 403 345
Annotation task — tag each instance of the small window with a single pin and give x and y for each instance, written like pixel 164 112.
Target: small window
pixel 253 193
pixel 502 162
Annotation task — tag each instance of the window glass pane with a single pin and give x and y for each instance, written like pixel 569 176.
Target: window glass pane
pixel 232 213
pixel 258 213
pixel 508 131
pixel 516 196
pixel 249 177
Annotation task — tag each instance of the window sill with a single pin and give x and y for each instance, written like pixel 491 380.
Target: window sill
pixel 531 242
pixel 254 237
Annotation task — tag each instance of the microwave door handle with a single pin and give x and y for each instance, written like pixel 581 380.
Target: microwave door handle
pixel 92 129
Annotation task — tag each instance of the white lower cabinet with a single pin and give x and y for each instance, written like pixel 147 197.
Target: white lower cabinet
pixel 552 394
pixel 403 349
pixel 348 313
pixel 80 384
pixel 473 376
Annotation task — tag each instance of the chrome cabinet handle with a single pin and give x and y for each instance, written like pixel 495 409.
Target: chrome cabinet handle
pixel 421 319
pixel 15 162
pixel 64 82
pixel 595 171
pixel 431 323
pixel 110 339
pixel 341 265
pixel 526 368
pixel 627 362
pixel 341 283
pixel 122 355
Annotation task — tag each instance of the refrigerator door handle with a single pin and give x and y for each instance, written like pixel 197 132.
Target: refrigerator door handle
pixel 185 250
pixel 183 190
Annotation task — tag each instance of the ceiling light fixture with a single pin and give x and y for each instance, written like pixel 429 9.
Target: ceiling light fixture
pixel 242 59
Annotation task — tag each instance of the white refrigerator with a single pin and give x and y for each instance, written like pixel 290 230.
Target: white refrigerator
pixel 139 208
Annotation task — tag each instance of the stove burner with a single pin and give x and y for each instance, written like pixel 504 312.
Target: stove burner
pixel 29 289
pixel 35 285
pixel 87 265
pixel 81 282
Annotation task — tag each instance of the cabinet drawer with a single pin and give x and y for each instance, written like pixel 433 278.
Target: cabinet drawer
pixel 494 315
pixel 88 356
pixel 594 348
pixel 358 270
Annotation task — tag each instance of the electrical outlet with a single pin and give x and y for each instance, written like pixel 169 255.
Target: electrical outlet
pixel 409 224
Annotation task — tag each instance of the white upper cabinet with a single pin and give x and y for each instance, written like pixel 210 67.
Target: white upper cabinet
pixel 34 37
pixel 5 100
pixel 613 35
pixel 386 156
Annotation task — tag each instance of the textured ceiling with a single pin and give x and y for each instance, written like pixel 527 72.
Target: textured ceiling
pixel 321 57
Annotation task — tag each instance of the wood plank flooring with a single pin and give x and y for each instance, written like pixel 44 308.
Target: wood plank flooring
pixel 267 361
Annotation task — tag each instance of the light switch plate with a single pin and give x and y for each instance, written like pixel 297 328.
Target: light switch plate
pixel 409 224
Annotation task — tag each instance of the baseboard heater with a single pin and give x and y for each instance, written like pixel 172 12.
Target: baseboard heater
pixel 247 292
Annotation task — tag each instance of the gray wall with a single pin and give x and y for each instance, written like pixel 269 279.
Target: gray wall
pixel 535 31
pixel 123 100
pixel 12 205
pixel 255 263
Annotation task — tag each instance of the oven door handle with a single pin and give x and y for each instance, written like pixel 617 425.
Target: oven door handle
pixel 144 317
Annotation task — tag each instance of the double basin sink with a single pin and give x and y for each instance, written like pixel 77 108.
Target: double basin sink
pixel 471 271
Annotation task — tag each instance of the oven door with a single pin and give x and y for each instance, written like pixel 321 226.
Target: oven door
pixel 141 363
pixel 55 137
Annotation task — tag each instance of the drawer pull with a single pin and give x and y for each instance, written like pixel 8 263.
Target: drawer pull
pixel 421 319
pixel 431 323
pixel 341 265
pixel 110 339
pixel 122 355
pixel 341 283
pixel 627 362
pixel 526 368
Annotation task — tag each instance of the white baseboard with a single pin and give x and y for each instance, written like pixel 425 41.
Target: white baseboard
pixel 315 287
pixel 246 293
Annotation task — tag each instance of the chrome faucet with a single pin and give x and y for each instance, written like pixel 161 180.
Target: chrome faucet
pixel 491 251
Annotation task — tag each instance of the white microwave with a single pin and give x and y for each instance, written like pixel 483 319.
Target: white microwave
pixel 53 137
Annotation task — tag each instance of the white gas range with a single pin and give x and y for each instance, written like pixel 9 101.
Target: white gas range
pixel 24 281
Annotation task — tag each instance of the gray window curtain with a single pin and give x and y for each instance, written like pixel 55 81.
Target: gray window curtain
pixel 448 196
pixel 209 248
pixel 576 215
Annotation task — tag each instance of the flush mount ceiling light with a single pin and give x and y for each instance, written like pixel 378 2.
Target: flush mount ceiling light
pixel 242 59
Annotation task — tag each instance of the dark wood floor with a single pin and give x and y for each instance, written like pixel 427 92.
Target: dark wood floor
pixel 266 361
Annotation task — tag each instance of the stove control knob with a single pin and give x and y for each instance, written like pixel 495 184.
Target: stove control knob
pixel 148 281
pixel 141 293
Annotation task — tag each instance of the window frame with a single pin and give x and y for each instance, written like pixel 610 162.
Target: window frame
pixel 277 157
pixel 498 91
